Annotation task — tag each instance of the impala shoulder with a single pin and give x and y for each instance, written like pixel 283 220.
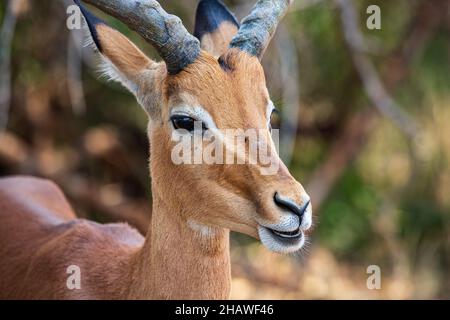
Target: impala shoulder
pixel 123 233
pixel 91 233
pixel 28 183
pixel 32 188
pixel 36 197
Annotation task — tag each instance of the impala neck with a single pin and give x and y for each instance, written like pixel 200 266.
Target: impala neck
pixel 181 260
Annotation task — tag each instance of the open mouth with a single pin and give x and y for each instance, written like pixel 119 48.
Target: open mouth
pixel 281 241
pixel 287 235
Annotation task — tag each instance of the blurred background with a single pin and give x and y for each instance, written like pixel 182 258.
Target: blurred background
pixel 364 127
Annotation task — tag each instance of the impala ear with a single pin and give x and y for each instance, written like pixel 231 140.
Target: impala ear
pixel 215 26
pixel 123 62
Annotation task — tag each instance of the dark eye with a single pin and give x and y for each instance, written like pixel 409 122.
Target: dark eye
pixel 185 122
pixel 274 119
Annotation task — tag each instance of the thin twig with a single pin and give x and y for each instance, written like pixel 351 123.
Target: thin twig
pixel 327 174
pixel 373 85
pixel 74 68
pixel 346 147
pixel 6 36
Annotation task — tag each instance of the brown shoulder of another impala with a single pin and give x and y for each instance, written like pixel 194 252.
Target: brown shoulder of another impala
pixel 185 254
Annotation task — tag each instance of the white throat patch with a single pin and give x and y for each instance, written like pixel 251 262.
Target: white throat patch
pixel 201 229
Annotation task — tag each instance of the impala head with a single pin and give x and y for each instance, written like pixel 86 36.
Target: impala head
pixel 218 81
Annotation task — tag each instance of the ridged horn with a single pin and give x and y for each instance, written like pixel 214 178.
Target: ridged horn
pixel 165 32
pixel 258 27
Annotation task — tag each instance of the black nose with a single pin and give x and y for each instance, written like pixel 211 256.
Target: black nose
pixel 290 205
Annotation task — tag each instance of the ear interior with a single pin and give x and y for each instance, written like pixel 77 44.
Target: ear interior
pixel 122 60
pixel 121 52
pixel 215 26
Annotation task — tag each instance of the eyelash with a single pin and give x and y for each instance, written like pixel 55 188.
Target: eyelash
pixel 189 123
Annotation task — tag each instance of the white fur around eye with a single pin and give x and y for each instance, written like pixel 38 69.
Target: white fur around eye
pixel 196 112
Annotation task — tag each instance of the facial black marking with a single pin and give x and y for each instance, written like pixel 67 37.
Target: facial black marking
pixel 92 22
pixel 210 15
pixel 224 64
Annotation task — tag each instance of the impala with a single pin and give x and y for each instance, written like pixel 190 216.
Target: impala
pixel 215 78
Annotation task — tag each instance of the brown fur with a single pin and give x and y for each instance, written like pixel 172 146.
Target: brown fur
pixel 40 236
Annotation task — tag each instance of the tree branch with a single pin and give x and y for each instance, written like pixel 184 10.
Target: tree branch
pixel 6 36
pixel 373 85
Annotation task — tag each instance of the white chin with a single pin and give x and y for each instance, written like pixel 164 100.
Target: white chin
pixel 281 245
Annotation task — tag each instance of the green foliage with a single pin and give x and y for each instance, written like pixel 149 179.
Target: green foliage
pixel 393 188
pixel 345 222
pixel 432 72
